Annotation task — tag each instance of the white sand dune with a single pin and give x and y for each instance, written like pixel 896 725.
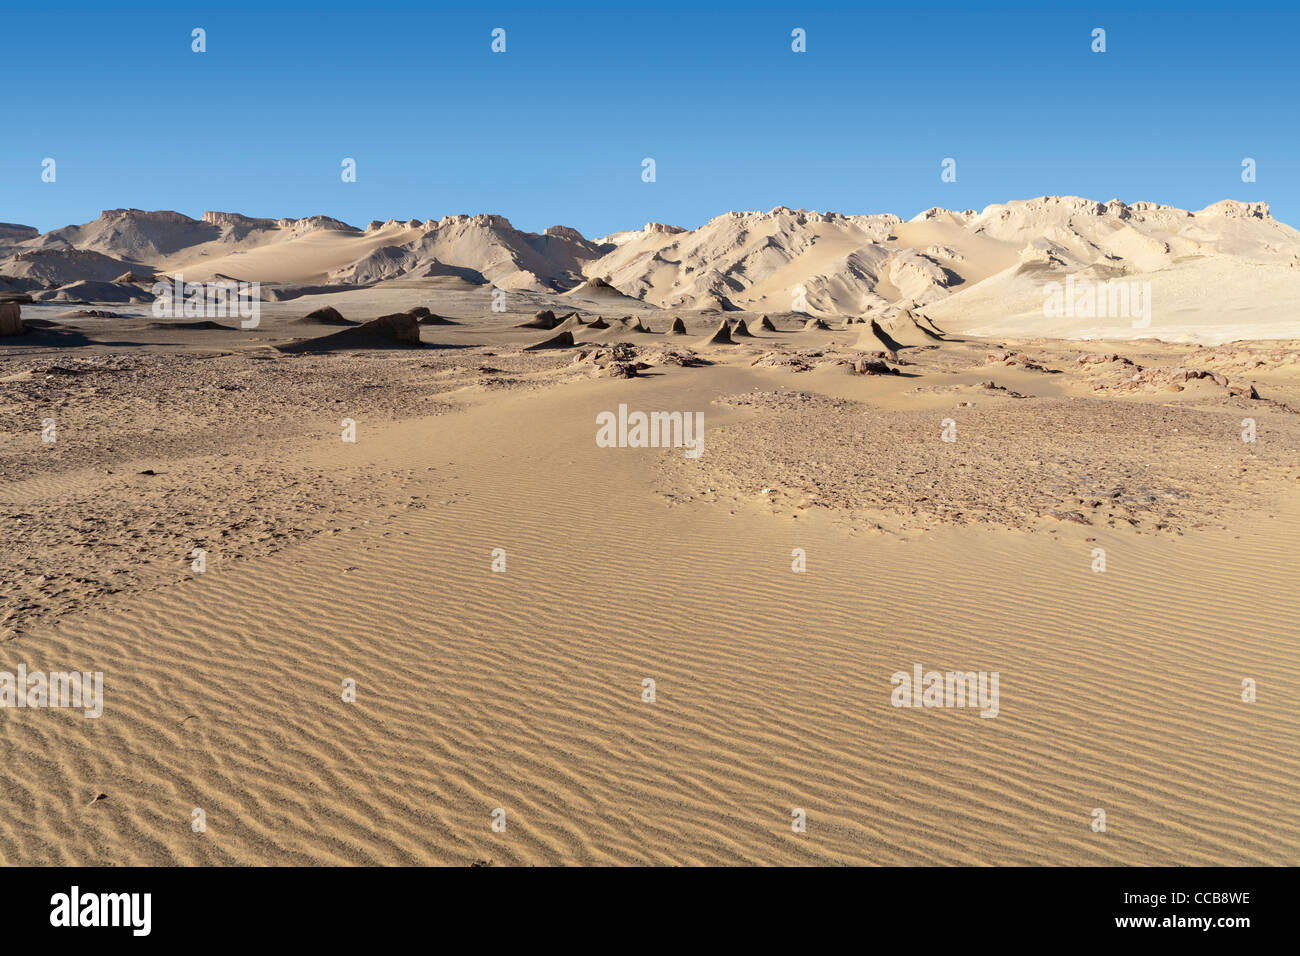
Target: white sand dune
pixel 983 271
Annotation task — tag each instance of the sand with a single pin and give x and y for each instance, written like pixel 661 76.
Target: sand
pixel 522 689
pixel 985 273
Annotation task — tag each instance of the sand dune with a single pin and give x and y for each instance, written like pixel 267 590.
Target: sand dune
pixel 772 689
pixel 545 319
pixel 62 265
pixel 640 654
pixel 571 323
pixel 486 247
pixel 984 271
pixel 388 331
pixel 325 316
pixel 721 336
pixel 561 340
pixel 599 292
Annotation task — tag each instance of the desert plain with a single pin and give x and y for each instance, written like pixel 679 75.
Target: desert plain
pixel 636 655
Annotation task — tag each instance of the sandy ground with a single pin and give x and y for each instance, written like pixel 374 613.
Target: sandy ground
pixel 523 690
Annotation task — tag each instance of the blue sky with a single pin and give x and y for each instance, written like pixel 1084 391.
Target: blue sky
pixel 554 130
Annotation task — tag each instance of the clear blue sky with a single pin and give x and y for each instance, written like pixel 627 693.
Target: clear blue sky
pixel 554 130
